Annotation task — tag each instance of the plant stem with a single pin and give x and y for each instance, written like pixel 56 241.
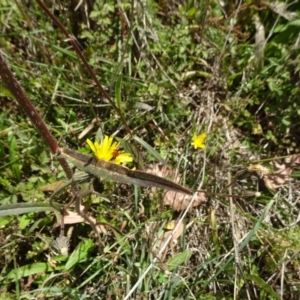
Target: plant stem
pixel 74 44
pixel 15 88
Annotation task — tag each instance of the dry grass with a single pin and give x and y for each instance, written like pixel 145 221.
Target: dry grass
pixel 172 71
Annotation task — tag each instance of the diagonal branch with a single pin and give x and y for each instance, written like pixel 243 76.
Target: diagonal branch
pixel 74 44
pixel 15 88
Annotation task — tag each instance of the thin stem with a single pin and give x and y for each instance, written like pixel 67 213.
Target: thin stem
pixel 73 42
pixel 15 88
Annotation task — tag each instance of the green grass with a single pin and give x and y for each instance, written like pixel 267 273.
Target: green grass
pixel 172 70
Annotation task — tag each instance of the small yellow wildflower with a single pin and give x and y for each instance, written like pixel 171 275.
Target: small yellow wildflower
pixel 198 140
pixel 108 150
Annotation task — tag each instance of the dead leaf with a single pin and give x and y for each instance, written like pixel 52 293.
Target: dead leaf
pixel 161 170
pixel 177 201
pixel 180 201
pixel 258 169
pixel 293 160
pixel 73 218
pixel 51 262
pixel 282 172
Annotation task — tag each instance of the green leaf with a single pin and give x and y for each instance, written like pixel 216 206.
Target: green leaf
pixel 151 151
pixel 80 254
pixel 5 183
pixel 13 157
pixel 295 22
pixel 27 270
pixel 286 121
pixel 44 158
pixel 260 282
pixel 191 12
pixel 5 131
pixel 23 208
pixel 178 259
pixel 118 92
pixel 4 222
pixel 65 51
pixel 25 220
pixel 162 278
pixel 4 92
pixel 257 225
pixel 123 241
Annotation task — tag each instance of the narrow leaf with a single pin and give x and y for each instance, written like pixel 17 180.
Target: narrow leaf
pixel 150 150
pixel 80 254
pixel 123 241
pixel 118 91
pixel 178 259
pixel 13 157
pixel 23 208
pixel 27 270
pixel 264 285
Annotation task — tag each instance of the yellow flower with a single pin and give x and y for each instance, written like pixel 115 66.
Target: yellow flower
pixel 198 140
pixel 108 150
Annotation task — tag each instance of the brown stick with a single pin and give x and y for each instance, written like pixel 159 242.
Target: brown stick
pixel 15 88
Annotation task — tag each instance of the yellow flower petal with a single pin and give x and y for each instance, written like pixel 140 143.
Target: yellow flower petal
pixel 90 143
pixel 108 151
pixel 122 157
pixel 198 140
